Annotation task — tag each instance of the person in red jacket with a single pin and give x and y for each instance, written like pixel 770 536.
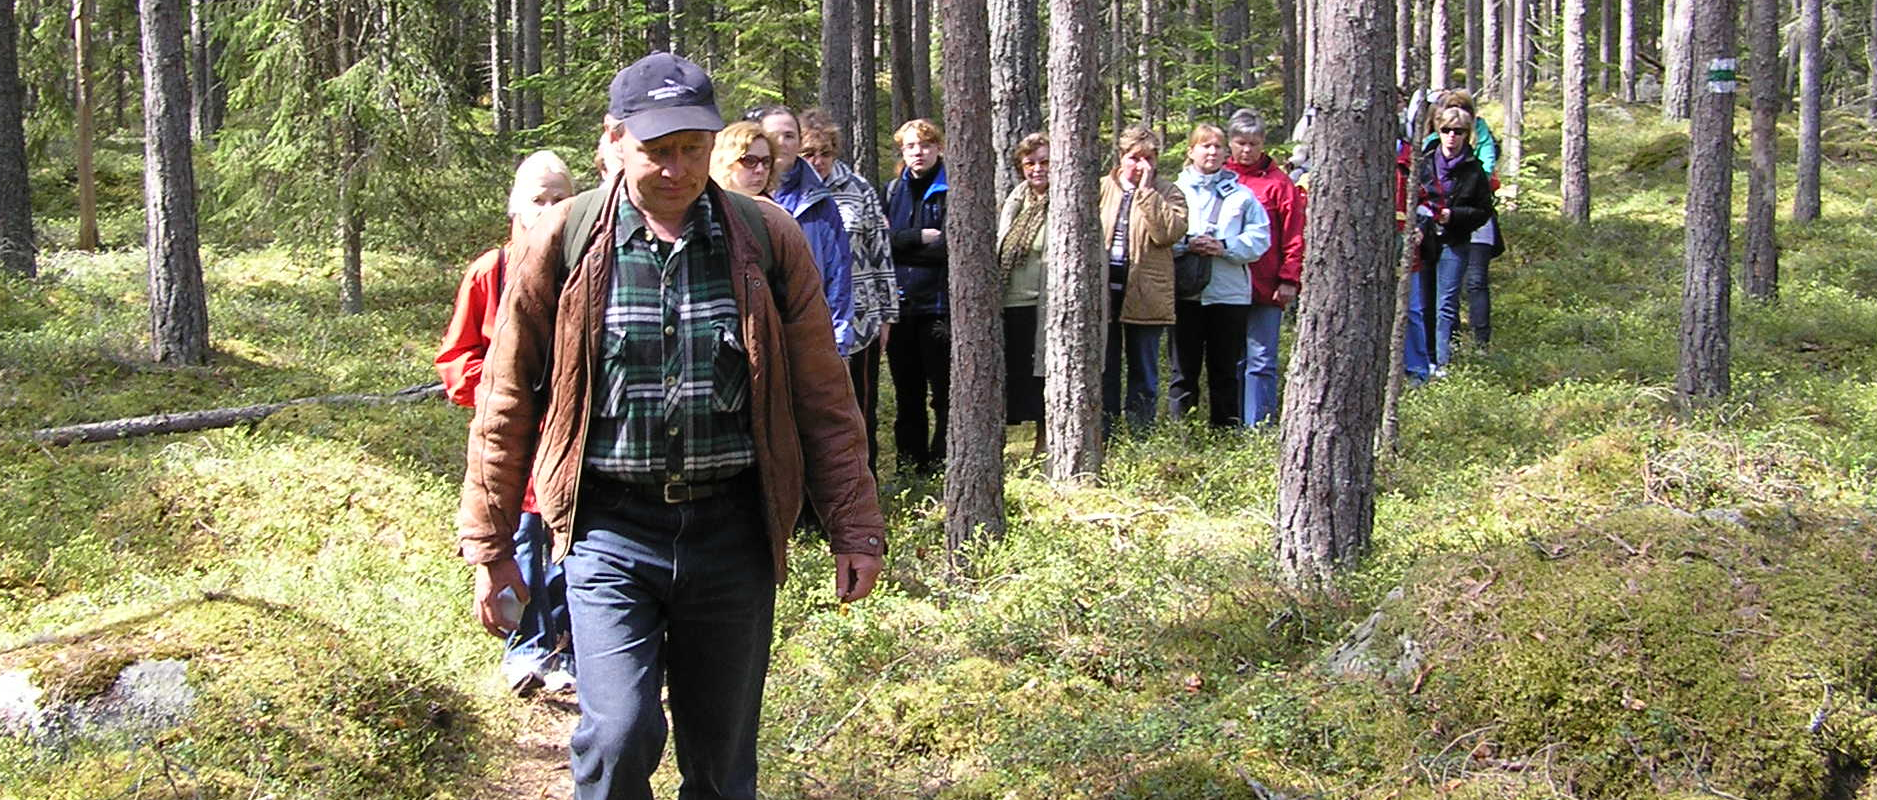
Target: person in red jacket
pixel 1277 275
pixel 536 654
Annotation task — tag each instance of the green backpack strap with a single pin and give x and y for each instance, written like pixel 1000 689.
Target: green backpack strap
pixel 578 232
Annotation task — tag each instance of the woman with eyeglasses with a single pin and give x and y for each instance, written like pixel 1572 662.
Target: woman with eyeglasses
pixel 1456 200
pixel 744 160
pixel 1021 241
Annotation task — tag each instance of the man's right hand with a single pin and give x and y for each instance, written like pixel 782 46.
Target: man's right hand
pixel 491 579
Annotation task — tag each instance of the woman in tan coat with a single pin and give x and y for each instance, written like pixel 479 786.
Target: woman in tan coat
pixel 1142 217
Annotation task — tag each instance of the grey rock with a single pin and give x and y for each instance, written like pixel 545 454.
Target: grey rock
pixel 147 697
pixel 1356 655
pixel 1726 516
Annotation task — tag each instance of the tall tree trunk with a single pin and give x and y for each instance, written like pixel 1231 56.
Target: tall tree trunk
pixel 903 63
pixel 1805 196
pixel 974 461
pixel 1117 53
pixel 1148 54
pixel 1016 104
pixel 1575 181
pixel 179 317
pixel 1512 150
pixel 658 34
pixel 17 250
pixel 1761 269
pixel 1473 44
pixel 1306 16
pixel 1493 43
pixel 922 58
pixel 1628 57
pixel 1440 29
pixel 209 92
pixel 1292 53
pixel 866 130
pixel 1326 472
pixel 1407 247
pixel 352 221
pixel 1677 58
pixel 531 111
pixel 837 63
pixel 498 64
pixel 120 70
pixel 1606 45
pixel 82 104
pixel 1404 40
pixel 1072 316
pixel 1703 372
pixel 517 69
pixel 1870 58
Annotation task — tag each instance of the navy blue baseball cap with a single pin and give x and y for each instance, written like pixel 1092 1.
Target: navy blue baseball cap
pixel 663 94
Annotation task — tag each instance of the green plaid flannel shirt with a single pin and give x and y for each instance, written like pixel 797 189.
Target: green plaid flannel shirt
pixel 671 394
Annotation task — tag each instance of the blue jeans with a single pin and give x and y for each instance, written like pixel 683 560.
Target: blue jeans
pixel 1259 366
pixel 1414 344
pixel 1447 274
pixel 1141 346
pixel 544 620
pixel 680 593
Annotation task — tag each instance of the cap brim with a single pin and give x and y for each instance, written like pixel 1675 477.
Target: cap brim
pixel 648 125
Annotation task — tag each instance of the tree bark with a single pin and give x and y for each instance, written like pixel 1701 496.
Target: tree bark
pixel 1326 475
pixel 1627 57
pixel 1408 243
pixel 188 421
pixel 1494 45
pixel 922 59
pixel 1404 40
pixel 531 110
pixel 17 250
pixel 974 471
pixel 1870 58
pixel 1117 51
pixel 82 104
pixel 1440 30
pixel 1072 316
pixel 866 130
pixel 1473 45
pixel 209 92
pixel 1761 270
pixel 1703 373
pixel 498 64
pixel 1677 57
pixel 1805 196
pixel 1575 181
pixel 179 317
pixel 1147 52
pixel 1292 53
pixel 658 34
pixel 1016 106
pixel 1606 45
pixel 904 108
pixel 352 221
pixel 1512 150
pixel 837 64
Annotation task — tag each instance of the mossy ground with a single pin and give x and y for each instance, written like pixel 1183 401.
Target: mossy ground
pixel 1583 635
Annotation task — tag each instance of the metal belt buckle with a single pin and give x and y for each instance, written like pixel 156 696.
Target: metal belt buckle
pixel 677 493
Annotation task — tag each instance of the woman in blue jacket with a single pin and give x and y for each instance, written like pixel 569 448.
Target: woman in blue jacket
pixel 1227 225
pixel 801 191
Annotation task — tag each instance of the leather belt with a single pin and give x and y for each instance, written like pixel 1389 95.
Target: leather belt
pixel 671 492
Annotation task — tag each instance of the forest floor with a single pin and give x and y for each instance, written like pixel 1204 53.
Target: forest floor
pixel 1575 588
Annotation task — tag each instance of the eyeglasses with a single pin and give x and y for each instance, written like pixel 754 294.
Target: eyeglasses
pixel 1454 131
pixel 752 161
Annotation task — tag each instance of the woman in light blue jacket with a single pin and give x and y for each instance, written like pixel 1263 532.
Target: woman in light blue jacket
pixel 1226 225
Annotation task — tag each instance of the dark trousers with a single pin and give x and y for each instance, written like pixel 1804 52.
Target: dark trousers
pixel 669 593
pixel 1137 347
pixel 863 367
pixel 919 353
pixel 1209 338
pixel 1479 292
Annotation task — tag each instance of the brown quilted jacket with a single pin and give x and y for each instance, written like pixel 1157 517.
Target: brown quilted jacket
pixel 803 417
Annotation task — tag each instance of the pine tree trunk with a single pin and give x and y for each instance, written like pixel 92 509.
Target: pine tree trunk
pixel 1627 58
pixel 922 59
pixel 498 64
pixel 1072 319
pixel 1805 196
pixel 1473 45
pixel 17 250
pixel 1575 181
pixel 179 317
pixel 1512 149
pixel 1703 373
pixel 1404 40
pixel 352 223
pixel 903 64
pixel 209 92
pixel 1306 15
pixel 658 34
pixel 1326 473
pixel 1493 43
pixel 1677 57
pixel 974 459
pixel 837 63
pixel 1606 45
pixel 866 131
pixel 1440 29
pixel 1117 55
pixel 120 71
pixel 1761 270
pixel 1292 53
pixel 1016 105
pixel 1148 54
pixel 1407 247
pixel 1870 58
pixel 531 111
pixel 517 69
pixel 82 104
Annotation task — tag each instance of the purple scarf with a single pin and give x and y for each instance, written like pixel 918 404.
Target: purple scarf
pixel 1443 165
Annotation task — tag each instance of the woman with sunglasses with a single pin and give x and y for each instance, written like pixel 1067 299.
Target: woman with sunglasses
pixel 743 160
pixel 1456 200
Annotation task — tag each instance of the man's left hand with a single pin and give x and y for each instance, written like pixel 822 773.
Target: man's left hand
pixel 854 574
pixel 1286 292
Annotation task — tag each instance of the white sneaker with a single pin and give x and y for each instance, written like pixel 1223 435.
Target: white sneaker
pixel 557 681
pixel 521 677
pixel 1437 373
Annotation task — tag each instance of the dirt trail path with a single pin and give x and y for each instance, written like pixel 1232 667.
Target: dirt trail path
pixel 537 766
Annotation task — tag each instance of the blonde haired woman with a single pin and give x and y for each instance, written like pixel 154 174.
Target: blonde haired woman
pixel 744 160
pixel 1226 225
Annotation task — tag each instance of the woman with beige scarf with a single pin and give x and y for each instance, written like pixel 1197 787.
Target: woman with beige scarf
pixel 1020 243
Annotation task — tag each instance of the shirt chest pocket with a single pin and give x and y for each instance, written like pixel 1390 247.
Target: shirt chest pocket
pixel 729 369
pixel 625 375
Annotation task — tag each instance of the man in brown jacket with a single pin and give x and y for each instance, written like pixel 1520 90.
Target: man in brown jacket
pixel 674 389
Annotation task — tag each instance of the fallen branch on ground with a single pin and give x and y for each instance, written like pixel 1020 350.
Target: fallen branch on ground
pixel 186 421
